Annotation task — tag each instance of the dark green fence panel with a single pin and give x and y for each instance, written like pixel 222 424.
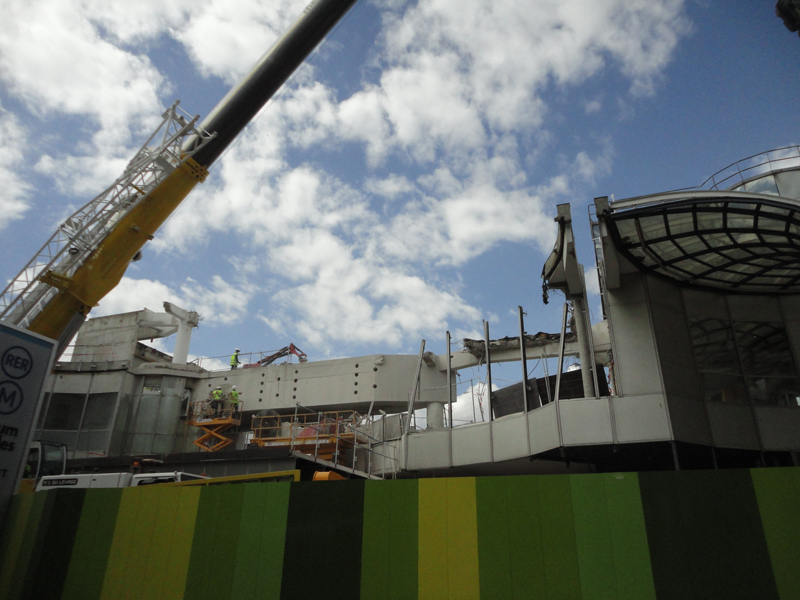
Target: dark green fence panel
pixel 778 496
pixel 226 540
pixel 526 544
pixel 562 573
pixel 705 534
pixel 56 548
pixel 203 562
pixel 493 538
pixel 89 558
pixel 322 557
pixel 403 533
pixel 593 538
pixel 628 536
pixel 375 541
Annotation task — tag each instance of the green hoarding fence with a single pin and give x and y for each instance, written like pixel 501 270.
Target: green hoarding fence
pixel 621 536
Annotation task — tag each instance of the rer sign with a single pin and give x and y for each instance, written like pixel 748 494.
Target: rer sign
pixel 25 360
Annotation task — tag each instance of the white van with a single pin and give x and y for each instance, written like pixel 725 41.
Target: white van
pixel 112 480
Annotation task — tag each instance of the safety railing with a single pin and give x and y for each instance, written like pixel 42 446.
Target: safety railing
pixel 753 166
pixel 205 411
pixel 246 360
pixel 340 438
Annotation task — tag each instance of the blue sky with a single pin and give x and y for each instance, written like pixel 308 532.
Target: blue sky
pixel 405 182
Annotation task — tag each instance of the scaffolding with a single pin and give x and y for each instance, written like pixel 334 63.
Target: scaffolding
pixel 337 439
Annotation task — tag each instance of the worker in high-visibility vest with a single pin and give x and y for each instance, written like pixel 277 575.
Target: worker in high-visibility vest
pixel 235 359
pixel 217 401
pixel 233 397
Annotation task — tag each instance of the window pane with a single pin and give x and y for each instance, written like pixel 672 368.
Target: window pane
pixel 764 349
pixel 65 412
pixel 789 184
pixel 712 342
pixel 765 185
pixel 99 410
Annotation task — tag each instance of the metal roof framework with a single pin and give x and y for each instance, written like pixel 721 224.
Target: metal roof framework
pixel 719 241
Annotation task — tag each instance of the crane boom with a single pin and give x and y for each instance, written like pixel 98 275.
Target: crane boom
pixel 89 254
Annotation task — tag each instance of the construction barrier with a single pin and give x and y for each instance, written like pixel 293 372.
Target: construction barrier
pixel 729 534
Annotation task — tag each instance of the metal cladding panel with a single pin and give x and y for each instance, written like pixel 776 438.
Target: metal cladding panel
pixel 429 450
pixel 636 362
pixel 586 422
pixel 673 340
pixel 754 308
pixel 73 383
pixel 509 436
pixel 732 425
pixel 544 428
pixel 472 444
pixel 689 420
pixel 779 427
pixel 641 418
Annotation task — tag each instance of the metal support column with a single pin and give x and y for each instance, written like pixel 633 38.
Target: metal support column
pixel 524 360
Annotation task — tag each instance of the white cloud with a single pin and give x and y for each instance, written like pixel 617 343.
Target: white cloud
pixel 15 191
pixel 446 134
pixel 218 302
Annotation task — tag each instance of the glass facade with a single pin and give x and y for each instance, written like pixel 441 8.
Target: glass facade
pixel 744 360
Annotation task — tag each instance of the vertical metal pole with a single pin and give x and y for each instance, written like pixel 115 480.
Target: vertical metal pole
pixel 675 456
pixel 546 377
pixel 316 441
pixel 449 382
pixel 488 368
pixel 294 425
pixel 524 361
pixel 523 358
pixel 449 393
pixel 561 352
pixel 336 452
pixel 558 375
pixel 472 395
pixel 489 385
pixel 416 385
pixel 411 399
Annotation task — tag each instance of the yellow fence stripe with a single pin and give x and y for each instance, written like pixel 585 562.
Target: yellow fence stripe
pixel 432 522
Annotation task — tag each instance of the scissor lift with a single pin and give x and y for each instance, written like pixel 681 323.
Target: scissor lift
pixel 214 423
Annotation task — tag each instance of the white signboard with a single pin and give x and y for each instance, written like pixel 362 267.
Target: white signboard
pixel 25 360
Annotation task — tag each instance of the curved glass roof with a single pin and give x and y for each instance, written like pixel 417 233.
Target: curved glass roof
pixel 721 241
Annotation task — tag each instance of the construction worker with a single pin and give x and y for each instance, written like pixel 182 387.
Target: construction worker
pixel 233 397
pixel 235 359
pixel 217 401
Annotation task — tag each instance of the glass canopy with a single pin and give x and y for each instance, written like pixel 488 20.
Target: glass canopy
pixel 712 240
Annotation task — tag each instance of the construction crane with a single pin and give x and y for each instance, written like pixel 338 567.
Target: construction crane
pixel 89 253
